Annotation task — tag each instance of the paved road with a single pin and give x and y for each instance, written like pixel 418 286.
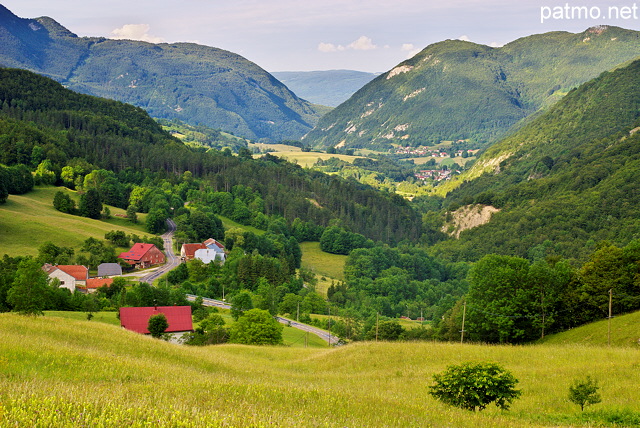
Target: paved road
pixel 172 260
pixel 329 338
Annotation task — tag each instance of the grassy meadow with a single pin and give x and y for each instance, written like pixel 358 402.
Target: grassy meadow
pixel 26 222
pixel 58 372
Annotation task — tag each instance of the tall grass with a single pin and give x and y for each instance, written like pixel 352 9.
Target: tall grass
pixel 60 372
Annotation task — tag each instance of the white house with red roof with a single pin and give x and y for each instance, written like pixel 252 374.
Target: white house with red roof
pixel 70 276
pixel 143 255
pixel 216 247
pixel 137 319
pixel 188 251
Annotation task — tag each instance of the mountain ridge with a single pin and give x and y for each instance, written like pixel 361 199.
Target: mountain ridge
pixel 461 90
pixel 194 83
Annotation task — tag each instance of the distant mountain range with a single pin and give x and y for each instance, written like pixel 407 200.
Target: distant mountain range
pixel 460 90
pixel 329 88
pixel 193 83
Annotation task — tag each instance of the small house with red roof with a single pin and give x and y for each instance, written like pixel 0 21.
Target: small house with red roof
pixel 137 319
pixel 70 276
pixel 188 251
pixel 143 255
pixel 94 283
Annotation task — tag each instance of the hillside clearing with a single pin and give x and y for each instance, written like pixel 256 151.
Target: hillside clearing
pixel 27 221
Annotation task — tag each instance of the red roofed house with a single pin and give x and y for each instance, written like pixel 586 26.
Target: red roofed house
pixel 143 255
pixel 94 283
pixel 137 319
pixel 70 276
pixel 188 251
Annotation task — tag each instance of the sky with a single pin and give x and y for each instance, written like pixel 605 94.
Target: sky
pixel 306 35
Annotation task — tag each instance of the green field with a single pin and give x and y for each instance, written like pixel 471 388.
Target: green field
pixel 27 221
pixel 329 266
pixel 64 373
pixel 308 159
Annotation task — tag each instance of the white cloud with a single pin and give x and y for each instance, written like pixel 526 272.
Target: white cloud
pixel 363 43
pixel 464 38
pixel 496 45
pixel 406 47
pixel 135 32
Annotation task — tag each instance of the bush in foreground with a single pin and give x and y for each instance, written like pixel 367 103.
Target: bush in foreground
pixel 472 386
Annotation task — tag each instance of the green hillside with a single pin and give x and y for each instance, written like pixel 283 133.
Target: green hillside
pixel 27 221
pixel 56 372
pixel 624 332
pixel 73 130
pixel 570 177
pixel 193 83
pixel 459 90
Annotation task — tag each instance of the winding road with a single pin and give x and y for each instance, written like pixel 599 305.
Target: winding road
pixel 322 334
pixel 172 260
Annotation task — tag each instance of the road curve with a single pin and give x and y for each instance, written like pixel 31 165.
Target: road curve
pixel 172 260
pixel 322 334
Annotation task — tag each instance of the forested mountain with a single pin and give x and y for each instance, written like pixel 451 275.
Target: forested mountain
pixel 193 83
pixel 327 87
pixel 43 124
pixel 565 181
pixel 460 90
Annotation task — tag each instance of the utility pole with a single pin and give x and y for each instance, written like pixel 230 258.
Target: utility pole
pixel 609 321
pixel 329 326
pixel 464 314
pixel 298 313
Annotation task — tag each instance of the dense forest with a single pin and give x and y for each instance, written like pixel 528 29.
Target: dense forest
pixel 566 181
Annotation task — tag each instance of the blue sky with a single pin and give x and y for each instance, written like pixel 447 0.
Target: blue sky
pixel 297 35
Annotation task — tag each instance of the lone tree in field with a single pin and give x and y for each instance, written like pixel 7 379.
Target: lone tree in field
pixel 256 327
pixel 473 386
pixel 584 392
pixel 158 324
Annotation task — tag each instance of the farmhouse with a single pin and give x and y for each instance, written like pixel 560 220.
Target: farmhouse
pixel 94 283
pixel 137 319
pixel 188 251
pixel 70 276
pixel 143 255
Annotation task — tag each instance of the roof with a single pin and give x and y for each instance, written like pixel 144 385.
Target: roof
pixel 137 319
pixel 109 269
pixel 136 252
pixel 99 282
pixel 212 242
pixel 190 249
pixel 80 273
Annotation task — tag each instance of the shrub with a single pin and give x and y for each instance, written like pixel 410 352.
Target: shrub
pixel 157 325
pixel 474 386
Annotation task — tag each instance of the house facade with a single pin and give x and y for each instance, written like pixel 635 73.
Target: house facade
pixel 143 255
pixel 70 276
pixel 188 251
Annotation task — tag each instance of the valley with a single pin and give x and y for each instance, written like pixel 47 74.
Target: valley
pixel 471 204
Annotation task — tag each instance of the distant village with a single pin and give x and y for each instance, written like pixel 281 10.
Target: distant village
pixel 435 174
